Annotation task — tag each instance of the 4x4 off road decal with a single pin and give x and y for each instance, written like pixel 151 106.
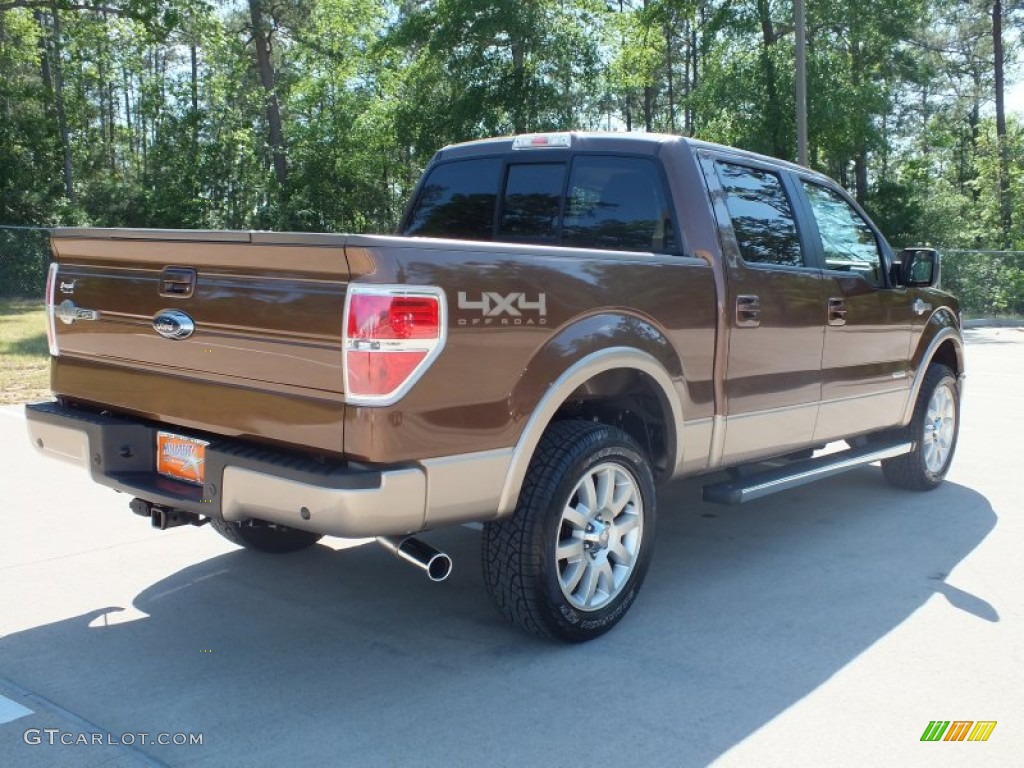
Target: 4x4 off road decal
pixel 504 309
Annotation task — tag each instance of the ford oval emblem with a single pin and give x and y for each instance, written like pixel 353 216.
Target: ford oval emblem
pixel 174 324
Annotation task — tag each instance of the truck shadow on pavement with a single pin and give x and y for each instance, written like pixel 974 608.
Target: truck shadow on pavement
pixel 349 657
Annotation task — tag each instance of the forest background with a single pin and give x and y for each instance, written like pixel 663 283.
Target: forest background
pixel 321 114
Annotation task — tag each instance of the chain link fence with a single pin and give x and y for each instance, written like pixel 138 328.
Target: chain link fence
pixel 988 283
pixel 24 259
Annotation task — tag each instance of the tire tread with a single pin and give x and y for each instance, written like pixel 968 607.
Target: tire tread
pixel 510 552
pixel 907 471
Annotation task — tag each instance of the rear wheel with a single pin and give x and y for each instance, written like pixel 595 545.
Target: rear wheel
pixel 569 562
pixel 934 429
pixel 264 537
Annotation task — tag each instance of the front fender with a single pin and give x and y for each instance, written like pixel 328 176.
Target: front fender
pixel 940 339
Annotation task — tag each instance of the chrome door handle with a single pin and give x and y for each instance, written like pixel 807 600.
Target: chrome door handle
pixel 837 311
pixel 748 311
pixel 920 307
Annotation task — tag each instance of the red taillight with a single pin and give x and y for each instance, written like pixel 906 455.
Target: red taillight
pixel 393 317
pixel 392 335
pixel 51 317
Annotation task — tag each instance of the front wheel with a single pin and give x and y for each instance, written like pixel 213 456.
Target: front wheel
pixel 569 562
pixel 934 429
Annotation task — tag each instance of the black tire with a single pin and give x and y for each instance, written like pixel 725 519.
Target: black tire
pixel 923 469
pixel 522 573
pixel 265 537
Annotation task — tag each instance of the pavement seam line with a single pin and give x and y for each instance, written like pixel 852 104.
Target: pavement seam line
pixel 84 725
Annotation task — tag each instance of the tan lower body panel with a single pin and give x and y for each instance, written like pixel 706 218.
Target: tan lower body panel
pixel 751 436
pixel 858 415
pixel 396 507
pixel 63 443
pixel 441 492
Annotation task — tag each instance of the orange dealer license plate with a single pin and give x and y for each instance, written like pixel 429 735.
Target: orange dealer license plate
pixel 180 457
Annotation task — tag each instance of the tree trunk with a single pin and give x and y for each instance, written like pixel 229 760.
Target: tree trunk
pixel 669 41
pixel 58 101
pixel 195 77
pixel 110 96
pixel 689 77
pixel 648 93
pixel 44 55
pixel 860 157
pixel 774 107
pixel 860 176
pixel 519 121
pixel 261 40
pixel 1005 204
pixel 629 97
pixel 126 81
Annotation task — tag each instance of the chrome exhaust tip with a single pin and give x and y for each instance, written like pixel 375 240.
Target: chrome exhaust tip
pixel 437 565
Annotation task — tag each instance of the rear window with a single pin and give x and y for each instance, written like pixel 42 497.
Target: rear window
pixel 530 209
pixel 457 200
pixel 610 202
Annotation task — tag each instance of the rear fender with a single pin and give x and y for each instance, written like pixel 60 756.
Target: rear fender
pixel 582 351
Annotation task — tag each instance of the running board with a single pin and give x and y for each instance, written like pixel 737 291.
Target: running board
pixel 798 473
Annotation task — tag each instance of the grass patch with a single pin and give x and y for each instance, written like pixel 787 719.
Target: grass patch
pixel 24 356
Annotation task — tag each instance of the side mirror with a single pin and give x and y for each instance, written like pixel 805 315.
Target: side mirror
pixel 920 267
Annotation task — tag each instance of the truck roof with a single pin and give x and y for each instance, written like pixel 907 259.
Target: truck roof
pixel 609 141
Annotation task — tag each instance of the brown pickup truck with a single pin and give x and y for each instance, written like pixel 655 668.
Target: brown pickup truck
pixel 564 321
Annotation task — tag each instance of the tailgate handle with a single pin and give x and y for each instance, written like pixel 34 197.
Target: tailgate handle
pixel 177 282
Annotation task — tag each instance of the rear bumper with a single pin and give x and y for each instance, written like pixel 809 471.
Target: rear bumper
pixel 246 481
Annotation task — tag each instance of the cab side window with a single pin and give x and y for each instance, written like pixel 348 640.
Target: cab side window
pixel 849 244
pixel 761 215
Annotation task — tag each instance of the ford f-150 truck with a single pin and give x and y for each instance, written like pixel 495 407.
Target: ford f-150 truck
pixel 564 321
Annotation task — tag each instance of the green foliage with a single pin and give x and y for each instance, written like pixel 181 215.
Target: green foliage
pixel 104 120
pixel 987 284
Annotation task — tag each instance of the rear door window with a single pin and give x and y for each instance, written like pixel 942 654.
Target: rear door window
pixel 457 200
pixel 761 215
pixel 617 203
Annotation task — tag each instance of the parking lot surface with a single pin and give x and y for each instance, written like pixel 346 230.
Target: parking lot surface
pixel 824 626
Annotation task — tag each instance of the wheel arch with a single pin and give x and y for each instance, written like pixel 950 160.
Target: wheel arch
pixel 941 342
pixel 592 388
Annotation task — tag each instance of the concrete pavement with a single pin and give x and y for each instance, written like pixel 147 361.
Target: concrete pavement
pixel 823 626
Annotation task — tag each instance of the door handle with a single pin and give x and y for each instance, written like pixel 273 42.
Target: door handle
pixel 837 311
pixel 748 311
pixel 920 307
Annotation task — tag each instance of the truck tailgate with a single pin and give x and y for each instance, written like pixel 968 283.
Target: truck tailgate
pixel 266 315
